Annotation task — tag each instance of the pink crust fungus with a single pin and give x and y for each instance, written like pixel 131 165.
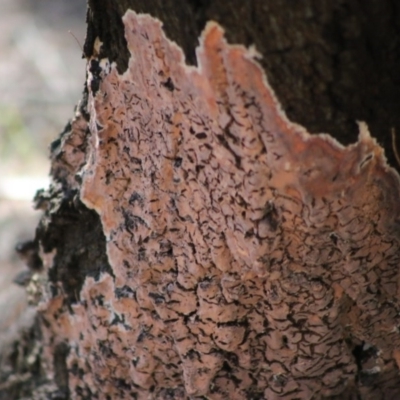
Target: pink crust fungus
pixel 249 258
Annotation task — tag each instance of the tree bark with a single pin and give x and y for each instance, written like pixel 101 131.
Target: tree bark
pixel 331 64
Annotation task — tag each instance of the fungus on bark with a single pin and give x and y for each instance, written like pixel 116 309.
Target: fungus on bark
pixel 248 258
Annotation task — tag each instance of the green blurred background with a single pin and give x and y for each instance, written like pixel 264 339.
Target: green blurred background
pixel 41 79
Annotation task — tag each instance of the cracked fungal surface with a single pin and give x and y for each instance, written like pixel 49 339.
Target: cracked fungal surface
pixel 249 259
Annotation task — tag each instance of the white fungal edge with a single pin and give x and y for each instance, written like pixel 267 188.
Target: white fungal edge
pixel 251 54
pixel 364 138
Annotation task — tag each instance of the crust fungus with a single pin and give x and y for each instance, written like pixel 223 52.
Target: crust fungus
pixel 249 259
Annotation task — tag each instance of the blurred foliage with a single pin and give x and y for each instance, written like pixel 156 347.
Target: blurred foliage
pixel 15 141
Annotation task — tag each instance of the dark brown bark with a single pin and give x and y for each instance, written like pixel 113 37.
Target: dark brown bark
pixel 330 63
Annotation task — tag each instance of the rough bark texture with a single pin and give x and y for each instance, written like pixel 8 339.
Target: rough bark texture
pixel 244 259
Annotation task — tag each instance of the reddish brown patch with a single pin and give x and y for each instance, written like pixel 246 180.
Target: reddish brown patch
pixel 249 256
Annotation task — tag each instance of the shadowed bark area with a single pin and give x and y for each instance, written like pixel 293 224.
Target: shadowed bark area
pixel 284 287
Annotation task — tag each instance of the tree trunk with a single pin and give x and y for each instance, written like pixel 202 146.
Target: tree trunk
pixel 195 242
